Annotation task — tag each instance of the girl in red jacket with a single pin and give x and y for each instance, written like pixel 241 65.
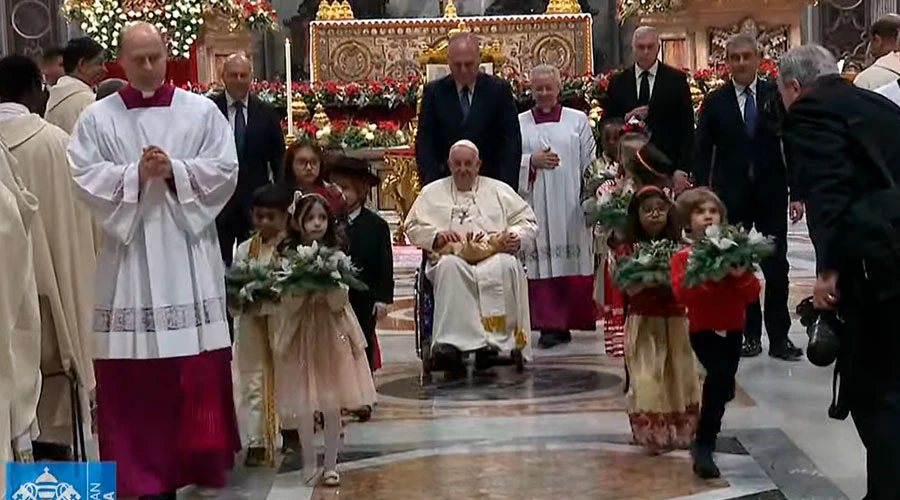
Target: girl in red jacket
pixel 716 312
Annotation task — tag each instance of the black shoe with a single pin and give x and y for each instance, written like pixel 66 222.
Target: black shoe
pixel 704 465
pixel 548 340
pixel 290 439
pixel 565 336
pixel 786 351
pixel 484 359
pixel 446 358
pixel 256 457
pixel 751 349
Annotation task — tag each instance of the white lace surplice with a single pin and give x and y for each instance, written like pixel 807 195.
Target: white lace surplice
pixel 160 275
pixel 564 245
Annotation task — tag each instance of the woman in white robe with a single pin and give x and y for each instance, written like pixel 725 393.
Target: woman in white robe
pixel 557 147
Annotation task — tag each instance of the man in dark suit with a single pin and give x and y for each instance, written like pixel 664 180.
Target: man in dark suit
pixel 260 146
pixel 468 104
pixel 656 93
pixel 842 142
pixel 739 155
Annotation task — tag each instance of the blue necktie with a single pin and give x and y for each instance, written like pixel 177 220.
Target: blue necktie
pixel 464 103
pixel 749 111
pixel 240 126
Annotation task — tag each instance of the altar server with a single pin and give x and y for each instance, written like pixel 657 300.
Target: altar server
pixel 557 146
pixel 63 247
pixel 157 164
pixel 20 342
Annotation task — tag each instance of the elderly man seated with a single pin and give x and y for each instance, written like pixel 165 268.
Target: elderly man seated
pixel 471 227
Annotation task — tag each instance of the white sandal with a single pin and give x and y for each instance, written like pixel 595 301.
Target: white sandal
pixel 331 479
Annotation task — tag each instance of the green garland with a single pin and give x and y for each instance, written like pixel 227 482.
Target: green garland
pixel 249 285
pixel 315 268
pixel 648 265
pixel 723 249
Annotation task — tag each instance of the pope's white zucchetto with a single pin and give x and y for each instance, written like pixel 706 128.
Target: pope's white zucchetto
pixel 465 143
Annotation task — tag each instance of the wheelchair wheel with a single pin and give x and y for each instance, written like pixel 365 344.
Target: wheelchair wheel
pixel 519 360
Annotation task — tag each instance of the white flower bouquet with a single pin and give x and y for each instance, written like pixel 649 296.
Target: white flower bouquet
pixel 315 268
pixel 722 249
pixel 609 208
pixel 648 265
pixel 250 285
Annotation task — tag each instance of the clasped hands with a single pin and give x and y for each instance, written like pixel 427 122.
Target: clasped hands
pixel 510 242
pixel 154 164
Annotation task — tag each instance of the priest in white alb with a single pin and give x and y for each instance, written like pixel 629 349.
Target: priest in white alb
pixel 157 164
pixel 557 147
pixel 20 322
pixel 472 227
pixel 63 251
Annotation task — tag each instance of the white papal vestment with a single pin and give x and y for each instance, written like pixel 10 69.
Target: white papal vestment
pixel 485 304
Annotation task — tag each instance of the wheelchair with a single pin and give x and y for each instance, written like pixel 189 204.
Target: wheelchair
pixel 423 311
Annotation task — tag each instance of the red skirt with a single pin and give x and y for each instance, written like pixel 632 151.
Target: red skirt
pixel 613 316
pixel 167 423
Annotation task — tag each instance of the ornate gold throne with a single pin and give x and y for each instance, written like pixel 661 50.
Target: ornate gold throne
pixel 402 185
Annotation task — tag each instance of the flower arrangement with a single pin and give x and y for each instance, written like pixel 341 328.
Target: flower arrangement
pixel 315 268
pixel 178 20
pixel 648 265
pixel 249 285
pixel 722 249
pixel 628 8
pixel 353 134
pixel 609 208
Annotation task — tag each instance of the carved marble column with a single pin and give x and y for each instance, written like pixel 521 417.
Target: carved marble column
pixel 879 8
pixel 843 25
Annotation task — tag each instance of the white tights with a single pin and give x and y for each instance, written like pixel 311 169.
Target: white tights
pixel 332 441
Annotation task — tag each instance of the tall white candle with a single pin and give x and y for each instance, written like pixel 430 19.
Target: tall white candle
pixel 288 85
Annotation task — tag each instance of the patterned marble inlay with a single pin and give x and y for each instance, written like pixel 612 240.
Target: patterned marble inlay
pixel 525 475
pixel 556 385
pixel 503 384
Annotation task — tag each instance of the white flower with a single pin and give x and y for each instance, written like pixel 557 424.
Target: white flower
pixel 713 231
pixel 370 136
pixel 336 275
pixel 756 238
pixel 593 122
pixel 723 243
pixel 373 127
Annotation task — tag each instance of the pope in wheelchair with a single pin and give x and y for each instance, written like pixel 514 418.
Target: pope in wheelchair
pixel 471 228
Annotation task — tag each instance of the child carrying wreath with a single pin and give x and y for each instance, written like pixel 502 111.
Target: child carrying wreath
pixel 713 277
pixel 663 393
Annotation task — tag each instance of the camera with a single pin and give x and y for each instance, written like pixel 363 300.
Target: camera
pixel 823 329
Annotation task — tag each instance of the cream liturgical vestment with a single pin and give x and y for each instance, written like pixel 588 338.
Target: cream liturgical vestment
pixel 68 98
pixel 160 276
pixel 64 266
pixel 20 343
pixel 485 304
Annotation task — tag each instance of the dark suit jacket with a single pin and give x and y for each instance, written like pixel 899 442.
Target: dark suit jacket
pixel 370 251
pixel 823 132
pixel 262 154
pixel 726 153
pixel 671 115
pixel 492 124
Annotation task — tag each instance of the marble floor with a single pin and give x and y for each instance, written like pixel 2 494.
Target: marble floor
pixel 559 429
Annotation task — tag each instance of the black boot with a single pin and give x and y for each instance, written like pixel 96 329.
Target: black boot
pixel 550 339
pixel 704 465
pixel 447 358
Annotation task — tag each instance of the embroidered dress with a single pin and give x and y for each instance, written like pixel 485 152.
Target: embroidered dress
pixel 561 263
pixel 663 397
